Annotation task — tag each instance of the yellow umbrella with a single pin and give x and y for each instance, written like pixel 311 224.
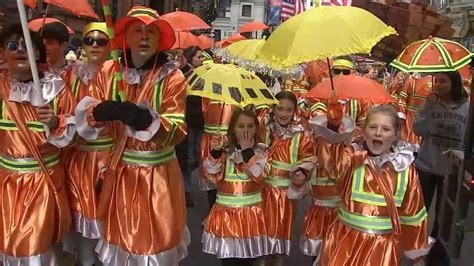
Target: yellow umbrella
pixel 229 84
pixel 245 49
pixel 323 32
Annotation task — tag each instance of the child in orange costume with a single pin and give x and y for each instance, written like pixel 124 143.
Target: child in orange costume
pixel 382 207
pixel 235 228
pixel 291 163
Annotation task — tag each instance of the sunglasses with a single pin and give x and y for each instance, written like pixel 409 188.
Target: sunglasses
pixel 15 45
pixel 100 42
pixel 343 71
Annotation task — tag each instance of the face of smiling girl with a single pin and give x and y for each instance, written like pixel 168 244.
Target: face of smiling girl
pixel 284 112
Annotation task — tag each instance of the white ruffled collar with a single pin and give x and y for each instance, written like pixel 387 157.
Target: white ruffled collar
pixel 85 72
pixel 401 158
pixel 285 132
pixel 135 76
pixel 51 86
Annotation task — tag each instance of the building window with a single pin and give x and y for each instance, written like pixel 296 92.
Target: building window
pixel 246 11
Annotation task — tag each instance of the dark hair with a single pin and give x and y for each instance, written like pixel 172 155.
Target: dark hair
pixel 458 93
pixel 190 52
pixel 233 121
pixel 38 43
pixel 55 31
pixel 287 95
pixel 387 110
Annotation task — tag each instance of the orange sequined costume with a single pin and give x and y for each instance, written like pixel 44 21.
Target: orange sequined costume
pixel 290 150
pixel 382 208
pixel 143 204
pixel 35 210
pixel 235 227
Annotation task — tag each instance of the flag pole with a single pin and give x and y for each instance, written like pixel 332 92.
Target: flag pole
pixel 29 44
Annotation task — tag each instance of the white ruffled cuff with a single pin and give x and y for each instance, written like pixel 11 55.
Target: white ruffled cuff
pixel 298 193
pixel 257 165
pixel 82 124
pixel 147 134
pixel 211 167
pixel 418 253
pixel 66 136
pixel 402 115
pixel 346 129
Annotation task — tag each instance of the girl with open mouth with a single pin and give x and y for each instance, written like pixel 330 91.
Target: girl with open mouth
pixel 382 210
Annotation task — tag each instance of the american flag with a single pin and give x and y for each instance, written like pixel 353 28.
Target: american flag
pixel 336 2
pixel 290 8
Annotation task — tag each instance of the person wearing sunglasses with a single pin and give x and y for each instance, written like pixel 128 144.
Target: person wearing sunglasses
pixel 37 122
pixel 83 177
pixel 343 66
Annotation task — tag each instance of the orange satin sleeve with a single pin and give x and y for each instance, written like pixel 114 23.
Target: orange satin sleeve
pixel 413 237
pixel 403 94
pixel 334 159
pixel 66 102
pixel 102 85
pixel 216 177
pixel 305 150
pixel 364 109
pixel 172 110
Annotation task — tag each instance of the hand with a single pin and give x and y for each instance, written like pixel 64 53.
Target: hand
pixel 334 112
pixel 299 178
pixel 245 140
pixel 217 142
pixel 47 117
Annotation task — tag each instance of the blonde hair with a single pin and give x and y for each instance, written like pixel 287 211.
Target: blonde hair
pixel 387 110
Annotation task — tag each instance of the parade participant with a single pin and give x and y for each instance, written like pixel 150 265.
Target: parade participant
pixel 291 161
pixel 441 122
pixel 188 151
pixel 56 39
pixel 354 108
pixel 411 97
pixel 216 123
pixel 85 160
pixel 142 200
pixel 36 123
pixel 235 228
pixel 382 207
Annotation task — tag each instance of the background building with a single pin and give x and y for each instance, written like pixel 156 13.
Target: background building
pixel 232 14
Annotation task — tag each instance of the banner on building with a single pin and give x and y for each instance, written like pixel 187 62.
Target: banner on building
pixel 274 15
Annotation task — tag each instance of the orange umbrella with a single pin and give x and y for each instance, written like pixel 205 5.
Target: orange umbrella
pixel 253 26
pixel 205 42
pixel 230 40
pixel 351 87
pixel 185 39
pixel 77 7
pixel 432 55
pixel 182 21
pixel 37 24
pixel 30 3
